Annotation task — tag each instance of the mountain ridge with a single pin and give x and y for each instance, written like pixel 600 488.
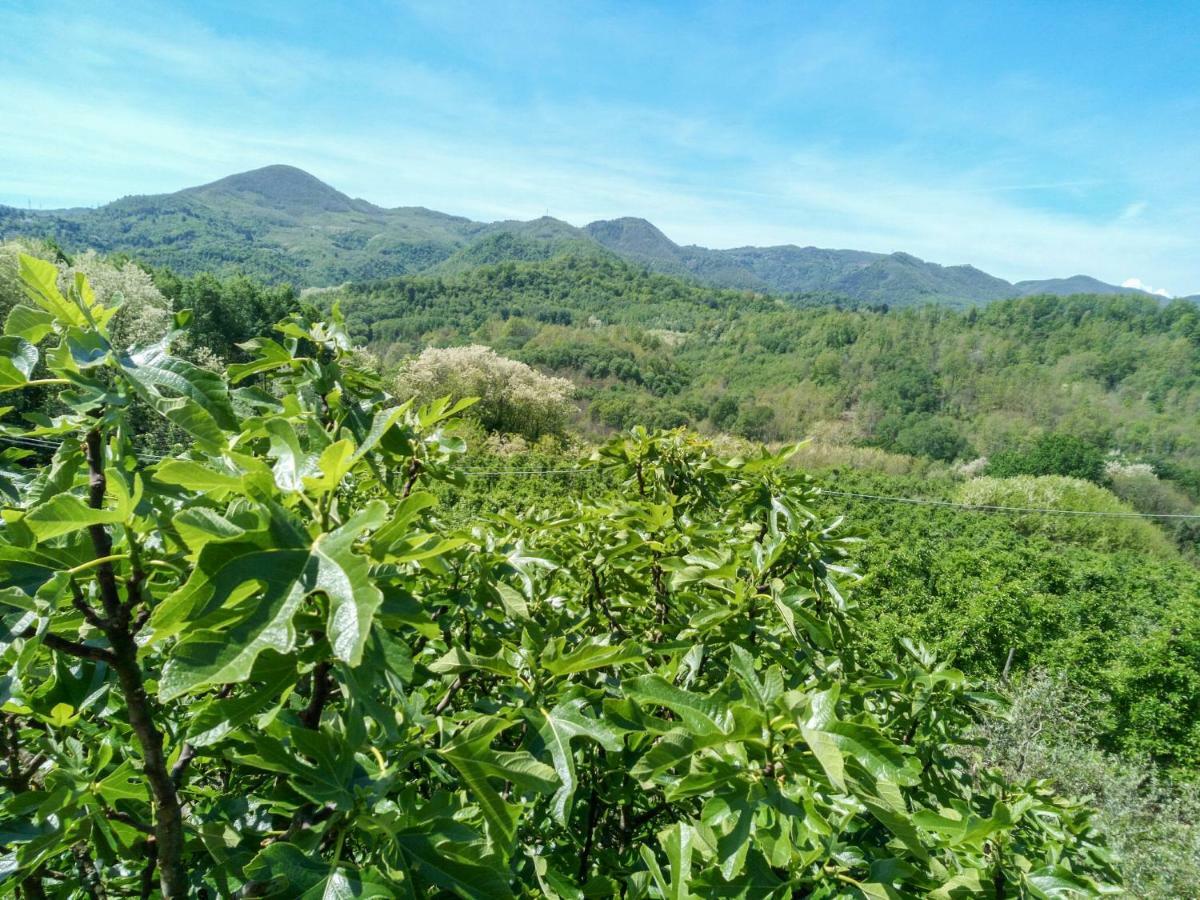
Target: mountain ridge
pixel 282 223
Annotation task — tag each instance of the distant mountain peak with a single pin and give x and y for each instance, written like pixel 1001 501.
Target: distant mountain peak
pixel 282 187
pixel 632 234
pixel 1076 284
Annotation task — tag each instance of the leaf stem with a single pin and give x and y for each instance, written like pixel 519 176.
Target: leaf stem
pixel 100 561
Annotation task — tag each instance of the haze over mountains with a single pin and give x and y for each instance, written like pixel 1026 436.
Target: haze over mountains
pixel 283 224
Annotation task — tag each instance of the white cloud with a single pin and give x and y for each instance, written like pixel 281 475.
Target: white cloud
pixel 1142 286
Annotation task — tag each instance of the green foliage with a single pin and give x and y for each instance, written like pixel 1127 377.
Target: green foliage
pixel 1052 454
pixel 1153 823
pixel 268 652
pixel 1119 528
pixel 935 437
pixel 226 312
pixel 1108 603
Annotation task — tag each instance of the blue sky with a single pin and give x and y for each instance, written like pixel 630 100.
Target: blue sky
pixel 1029 139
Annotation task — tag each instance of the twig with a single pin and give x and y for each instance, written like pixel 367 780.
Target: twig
pixel 455 687
pixel 593 815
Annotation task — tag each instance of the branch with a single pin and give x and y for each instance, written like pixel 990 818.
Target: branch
pixel 139 621
pixel 32 887
pixel 186 754
pixel 148 871
pixel 168 817
pixel 88 876
pixel 74 648
pixel 649 814
pixel 37 762
pixel 101 540
pixel 414 471
pixel 455 687
pixel 80 603
pixel 125 818
pixel 593 814
pixel 311 717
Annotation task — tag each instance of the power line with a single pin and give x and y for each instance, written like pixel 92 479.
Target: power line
pixel 984 507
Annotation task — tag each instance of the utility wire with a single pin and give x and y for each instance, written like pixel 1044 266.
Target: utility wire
pixel 968 507
pixel 40 444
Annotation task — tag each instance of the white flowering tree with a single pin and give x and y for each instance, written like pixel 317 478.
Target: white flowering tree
pixel 513 398
pixel 143 313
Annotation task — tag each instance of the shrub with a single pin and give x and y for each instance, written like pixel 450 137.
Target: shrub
pixel 143 313
pixel 1060 492
pixel 936 437
pixel 513 397
pixel 756 422
pixel 723 412
pixel 1153 823
pixel 1052 454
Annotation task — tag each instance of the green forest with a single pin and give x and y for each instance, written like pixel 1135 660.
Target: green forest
pixel 560 577
pixel 1118 373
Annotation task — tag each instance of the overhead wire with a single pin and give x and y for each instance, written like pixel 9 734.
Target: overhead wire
pixel 988 507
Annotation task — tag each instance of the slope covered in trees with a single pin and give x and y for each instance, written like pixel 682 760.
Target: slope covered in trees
pixel 1119 374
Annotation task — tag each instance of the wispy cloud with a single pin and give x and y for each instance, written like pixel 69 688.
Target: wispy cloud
pixel 1134 210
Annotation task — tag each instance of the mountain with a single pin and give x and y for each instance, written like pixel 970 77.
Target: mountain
pixel 896 278
pixel 785 269
pixel 287 189
pixel 277 223
pixel 903 275
pixel 513 241
pixel 1076 284
pixel 280 223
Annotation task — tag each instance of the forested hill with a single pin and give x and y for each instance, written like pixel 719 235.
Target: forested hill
pixel 281 224
pixel 1122 373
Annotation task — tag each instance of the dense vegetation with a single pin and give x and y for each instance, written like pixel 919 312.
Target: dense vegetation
pixel 1111 374
pixel 263 665
pixel 1086 403
pixel 1091 623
